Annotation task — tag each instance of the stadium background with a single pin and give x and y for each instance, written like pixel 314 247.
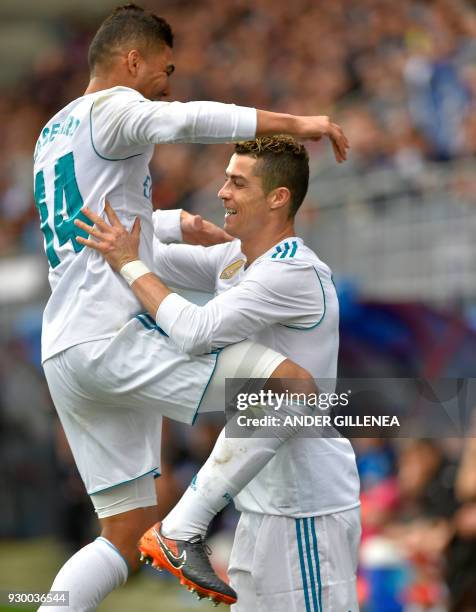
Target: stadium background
pixel 396 223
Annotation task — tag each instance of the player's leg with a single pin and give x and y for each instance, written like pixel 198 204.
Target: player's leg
pixel 180 385
pixel 109 395
pixel 337 538
pixel 240 566
pixel 265 566
pixel 103 565
pixel 123 511
pixel 114 447
pixel 289 567
pixel 287 564
pixel 119 387
pixel 88 577
pixel 234 462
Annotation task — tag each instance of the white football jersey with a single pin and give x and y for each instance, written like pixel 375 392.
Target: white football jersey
pixel 98 147
pixel 287 301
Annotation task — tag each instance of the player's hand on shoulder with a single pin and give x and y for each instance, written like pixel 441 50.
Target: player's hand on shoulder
pixel 196 230
pixel 112 240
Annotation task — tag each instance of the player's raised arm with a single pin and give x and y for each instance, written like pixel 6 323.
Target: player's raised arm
pixel 123 121
pixel 133 75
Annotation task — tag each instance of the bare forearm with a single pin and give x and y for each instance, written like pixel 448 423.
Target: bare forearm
pixel 313 127
pixel 276 123
pixel 150 291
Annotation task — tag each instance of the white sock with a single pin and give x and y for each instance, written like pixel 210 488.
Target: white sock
pixel 89 575
pixel 232 464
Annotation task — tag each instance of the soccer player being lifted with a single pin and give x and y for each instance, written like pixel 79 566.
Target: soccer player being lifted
pixel 297 540
pixel 111 377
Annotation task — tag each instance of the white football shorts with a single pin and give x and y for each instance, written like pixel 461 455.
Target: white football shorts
pixel 111 394
pixel 286 564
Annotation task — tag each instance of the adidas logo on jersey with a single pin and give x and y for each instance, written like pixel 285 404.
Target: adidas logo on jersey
pixel 285 250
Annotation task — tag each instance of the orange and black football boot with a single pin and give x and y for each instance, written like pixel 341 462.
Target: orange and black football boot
pixel 189 561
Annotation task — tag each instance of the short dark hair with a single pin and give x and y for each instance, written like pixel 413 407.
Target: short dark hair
pixel 128 24
pixel 283 162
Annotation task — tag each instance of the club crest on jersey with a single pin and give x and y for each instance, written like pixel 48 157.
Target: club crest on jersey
pixel 232 269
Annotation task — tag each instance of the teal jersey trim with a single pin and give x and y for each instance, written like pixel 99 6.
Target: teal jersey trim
pixel 94 147
pixel 312 580
pixel 302 564
pixel 149 323
pixel 154 471
pixel 145 322
pixel 309 563
pixel 323 314
pixel 217 355
pixel 288 252
pixel 316 557
pixel 111 545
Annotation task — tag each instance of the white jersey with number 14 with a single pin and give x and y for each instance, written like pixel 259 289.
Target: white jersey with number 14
pixel 97 147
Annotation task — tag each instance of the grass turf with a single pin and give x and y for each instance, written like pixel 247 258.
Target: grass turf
pixel 30 566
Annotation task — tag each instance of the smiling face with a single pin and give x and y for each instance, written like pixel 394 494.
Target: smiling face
pixel 246 205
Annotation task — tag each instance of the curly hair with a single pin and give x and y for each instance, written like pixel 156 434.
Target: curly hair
pixel 128 24
pixel 283 162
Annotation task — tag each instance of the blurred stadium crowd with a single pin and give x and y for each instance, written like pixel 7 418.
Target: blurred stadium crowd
pixel 401 78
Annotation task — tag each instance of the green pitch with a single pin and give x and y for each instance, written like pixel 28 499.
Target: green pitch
pixel 30 565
